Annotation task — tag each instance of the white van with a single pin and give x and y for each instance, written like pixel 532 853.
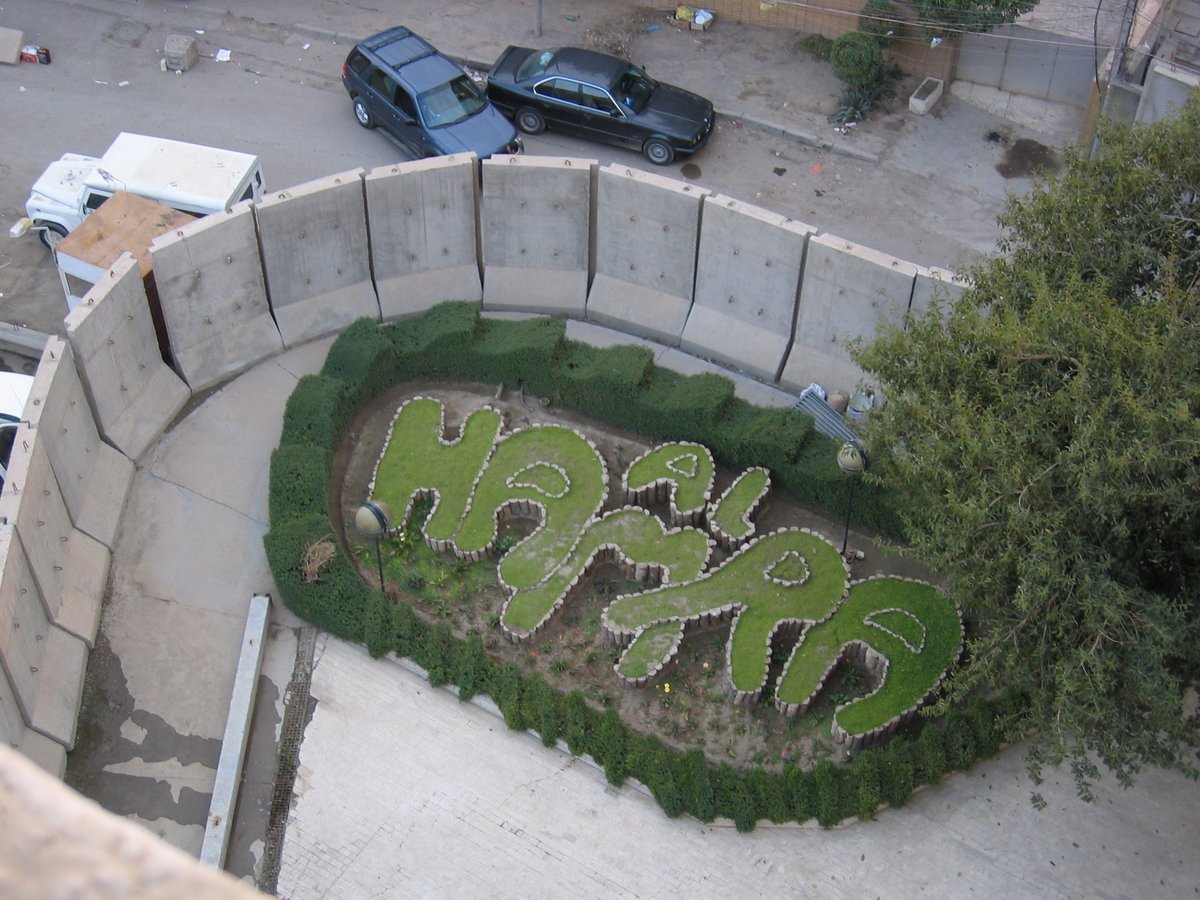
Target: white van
pixel 188 177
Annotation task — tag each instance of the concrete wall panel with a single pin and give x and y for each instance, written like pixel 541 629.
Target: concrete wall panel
pixel 1166 92
pixel 43 664
pixel 932 284
pixel 134 395
pixel 316 256
pixel 747 278
pixel 848 291
pixel 23 622
pixel 214 299
pixel 536 228
pixel 647 232
pixel 424 233
pixel 71 567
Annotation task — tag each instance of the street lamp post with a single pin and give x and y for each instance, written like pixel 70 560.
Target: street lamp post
pixel 852 460
pixel 374 520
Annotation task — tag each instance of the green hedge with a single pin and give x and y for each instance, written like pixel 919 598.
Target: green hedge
pixel 622 386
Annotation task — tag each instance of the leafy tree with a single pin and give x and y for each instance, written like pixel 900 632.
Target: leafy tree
pixel 1044 427
pixel 941 16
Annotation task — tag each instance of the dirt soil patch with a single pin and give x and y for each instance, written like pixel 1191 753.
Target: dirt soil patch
pixel 688 705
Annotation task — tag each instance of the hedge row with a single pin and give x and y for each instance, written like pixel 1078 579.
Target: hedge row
pixel 619 385
pixel 622 386
pixel 687 782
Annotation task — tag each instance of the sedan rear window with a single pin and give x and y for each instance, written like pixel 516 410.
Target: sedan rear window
pixel 451 102
pixel 536 63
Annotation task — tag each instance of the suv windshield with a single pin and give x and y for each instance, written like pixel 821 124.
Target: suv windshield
pixel 634 87
pixel 451 102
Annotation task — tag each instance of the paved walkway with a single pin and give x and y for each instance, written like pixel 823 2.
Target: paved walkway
pixel 406 792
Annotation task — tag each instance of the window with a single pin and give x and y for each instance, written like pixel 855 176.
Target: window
pixel 358 62
pixel 95 200
pixel 382 82
pixel 559 89
pixel 404 103
pixel 597 99
pixel 535 64
pixel 451 102
pixel 634 87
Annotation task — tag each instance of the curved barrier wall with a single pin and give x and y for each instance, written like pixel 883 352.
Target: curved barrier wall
pixel 641 253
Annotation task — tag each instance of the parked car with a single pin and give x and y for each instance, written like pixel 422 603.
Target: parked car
pixel 600 97
pixel 401 83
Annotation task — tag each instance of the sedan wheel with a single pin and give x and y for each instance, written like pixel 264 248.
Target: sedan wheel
pixel 530 121
pixel 658 152
pixel 363 114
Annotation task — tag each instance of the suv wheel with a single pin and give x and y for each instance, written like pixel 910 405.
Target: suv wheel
pixel 363 114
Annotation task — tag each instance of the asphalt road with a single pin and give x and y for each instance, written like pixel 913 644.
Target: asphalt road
pixel 931 197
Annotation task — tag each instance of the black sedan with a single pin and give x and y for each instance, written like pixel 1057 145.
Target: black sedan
pixel 599 97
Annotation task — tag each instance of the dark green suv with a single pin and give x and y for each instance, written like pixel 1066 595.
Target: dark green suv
pixel 399 82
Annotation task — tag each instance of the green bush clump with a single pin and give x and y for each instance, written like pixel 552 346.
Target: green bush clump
pixel 540 704
pixel 298 483
pixel 515 353
pixel 816 44
pixel 363 359
pixel 868 790
pixel 801 789
pixel 827 782
pixel 856 59
pixel 578 724
pixel 896 771
pixel 316 415
pixel 507 694
pixel 700 797
pixel 738 800
pixel 377 630
pixel 610 747
pixel 336 600
pixel 474 668
pixel 438 655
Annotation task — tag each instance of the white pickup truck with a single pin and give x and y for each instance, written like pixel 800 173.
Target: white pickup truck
pixel 188 177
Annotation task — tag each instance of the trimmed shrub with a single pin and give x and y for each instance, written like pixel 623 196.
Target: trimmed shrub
pixel 609 750
pixel 856 59
pixel 299 482
pixel 540 702
pixel 929 761
pixel 960 740
pixel 506 691
pixel 699 796
pixel 896 771
pixel 438 655
pixel 515 352
pixel 408 631
pixel 316 414
pixel 336 600
pixel 827 780
pixel 377 631
pixel 578 723
pixel 364 360
pixel 474 669
pixel 770 798
pixel 801 791
pixel 737 799
pixel 816 44
pixel 864 775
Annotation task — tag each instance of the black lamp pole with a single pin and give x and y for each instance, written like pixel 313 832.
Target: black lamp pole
pixel 374 520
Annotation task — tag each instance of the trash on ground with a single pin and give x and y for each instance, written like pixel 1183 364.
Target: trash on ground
pixel 223 55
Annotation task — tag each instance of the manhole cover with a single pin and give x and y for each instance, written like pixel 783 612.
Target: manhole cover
pixel 690 170
pixel 1025 156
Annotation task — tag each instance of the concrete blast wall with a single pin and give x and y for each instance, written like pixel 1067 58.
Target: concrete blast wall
pixel 746 283
pixel 214 300
pixel 316 258
pixel 934 284
pixel 43 664
pixel 647 232
pixel 93 477
pixel 536 214
pixel 848 291
pixel 424 233
pixel 134 395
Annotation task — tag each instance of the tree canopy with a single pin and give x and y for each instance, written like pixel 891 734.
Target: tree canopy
pixel 937 16
pixel 1045 426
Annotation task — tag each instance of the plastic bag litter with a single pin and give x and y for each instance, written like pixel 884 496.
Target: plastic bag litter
pixel 684 13
pixel 703 16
